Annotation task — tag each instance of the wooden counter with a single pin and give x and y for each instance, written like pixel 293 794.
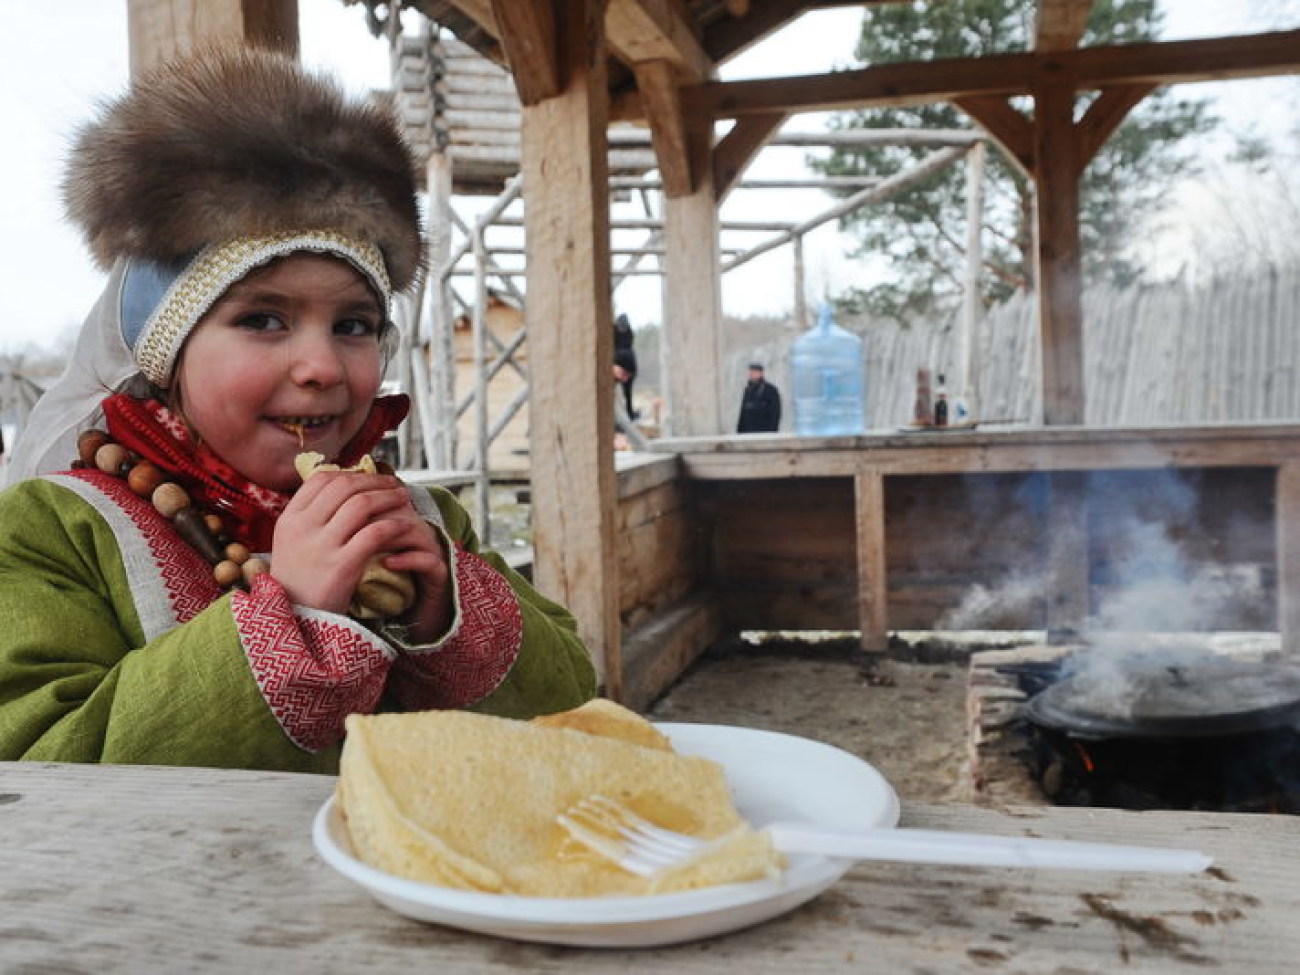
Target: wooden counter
pixel 1063 454
pixel 138 869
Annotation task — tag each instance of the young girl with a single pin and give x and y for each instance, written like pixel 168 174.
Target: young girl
pixel 171 590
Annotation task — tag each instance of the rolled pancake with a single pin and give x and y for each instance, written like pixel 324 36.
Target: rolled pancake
pixel 381 593
pixel 470 801
pixel 603 717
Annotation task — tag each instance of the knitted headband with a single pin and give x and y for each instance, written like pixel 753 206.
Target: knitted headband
pixel 221 162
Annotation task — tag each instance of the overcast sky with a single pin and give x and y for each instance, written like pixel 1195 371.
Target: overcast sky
pixel 57 61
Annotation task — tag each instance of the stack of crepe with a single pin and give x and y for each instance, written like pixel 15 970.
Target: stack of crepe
pixel 470 801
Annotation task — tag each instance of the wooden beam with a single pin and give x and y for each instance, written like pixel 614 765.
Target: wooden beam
pixel 730 36
pixel 738 147
pixel 1176 62
pixel 1105 115
pixel 884 85
pixel 482 12
pixel 527 33
pixel 657 83
pixel 1059 24
pixel 655 30
pixel 624 137
pixel 1008 126
pixel 159 30
pixel 1166 62
pixel 1058 255
pixel 570 337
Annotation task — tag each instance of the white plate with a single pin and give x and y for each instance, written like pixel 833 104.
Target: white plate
pixel 772 777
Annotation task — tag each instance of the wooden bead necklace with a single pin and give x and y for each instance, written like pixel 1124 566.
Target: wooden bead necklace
pixel 232 563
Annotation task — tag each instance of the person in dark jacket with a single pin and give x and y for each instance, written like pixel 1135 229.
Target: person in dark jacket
pixel 625 360
pixel 760 407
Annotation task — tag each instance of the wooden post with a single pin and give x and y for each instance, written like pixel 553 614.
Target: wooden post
pixel 693 299
pixel 1057 166
pixel 482 478
pixel 873 594
pixel 973 299
pixel 441 398
pixel 800 287
pixel 1058 258
pixel 571 341
pixel 159 30
pixel 1287 508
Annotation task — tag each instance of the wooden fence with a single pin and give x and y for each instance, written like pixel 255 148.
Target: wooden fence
pixel 1225 351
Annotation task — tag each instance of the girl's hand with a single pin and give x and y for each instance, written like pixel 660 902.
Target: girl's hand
pixel 336 522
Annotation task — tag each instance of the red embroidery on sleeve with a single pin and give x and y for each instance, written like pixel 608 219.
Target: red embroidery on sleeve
pixel 477 657
pixel 312 670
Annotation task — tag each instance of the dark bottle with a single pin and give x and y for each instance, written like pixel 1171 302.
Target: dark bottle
pixel 941 404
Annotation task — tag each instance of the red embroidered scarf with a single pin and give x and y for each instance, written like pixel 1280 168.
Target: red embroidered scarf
pixel 150 429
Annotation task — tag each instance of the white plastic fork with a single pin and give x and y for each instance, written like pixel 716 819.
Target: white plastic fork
pixel 640 847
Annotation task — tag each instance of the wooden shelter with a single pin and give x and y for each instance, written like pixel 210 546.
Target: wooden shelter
pixel 620 549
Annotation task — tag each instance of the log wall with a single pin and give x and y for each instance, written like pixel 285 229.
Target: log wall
pixel 667 613
pixel 972 551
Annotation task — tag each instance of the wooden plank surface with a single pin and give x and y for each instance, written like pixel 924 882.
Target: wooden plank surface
pixel 986 450
pixel 133 869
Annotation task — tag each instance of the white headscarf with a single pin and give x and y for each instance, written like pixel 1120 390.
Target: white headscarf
pixel 101 364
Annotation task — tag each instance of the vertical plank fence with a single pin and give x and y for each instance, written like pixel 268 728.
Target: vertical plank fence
pixel 1226 350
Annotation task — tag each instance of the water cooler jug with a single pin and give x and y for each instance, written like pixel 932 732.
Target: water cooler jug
pixel 829 369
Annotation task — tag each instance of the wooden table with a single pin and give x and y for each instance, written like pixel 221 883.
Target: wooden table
pixel 871 459
pixel 140 869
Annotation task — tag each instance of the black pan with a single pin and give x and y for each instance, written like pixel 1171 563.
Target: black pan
pixel 1169 694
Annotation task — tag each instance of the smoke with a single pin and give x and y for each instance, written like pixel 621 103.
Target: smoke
pixel 1154 570
pixel 1157 588
pixel 1015 596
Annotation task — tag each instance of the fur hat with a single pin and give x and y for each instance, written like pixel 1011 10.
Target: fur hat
pixel 221 162
pixel 235 143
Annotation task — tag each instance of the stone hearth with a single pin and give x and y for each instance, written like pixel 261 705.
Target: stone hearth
pixel 996 730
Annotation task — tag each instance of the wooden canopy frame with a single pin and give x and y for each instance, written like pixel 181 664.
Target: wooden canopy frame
pixel 577 64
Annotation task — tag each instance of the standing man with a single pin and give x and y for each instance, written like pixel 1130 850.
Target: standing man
pixel 760 407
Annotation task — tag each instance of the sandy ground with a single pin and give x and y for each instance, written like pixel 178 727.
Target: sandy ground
pixel 903 712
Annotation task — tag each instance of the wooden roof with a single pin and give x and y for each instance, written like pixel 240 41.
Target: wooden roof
pixel 698 35
pixel 664 55
pixel 720 29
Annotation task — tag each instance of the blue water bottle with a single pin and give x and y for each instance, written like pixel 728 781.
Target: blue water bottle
pixel 829 380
